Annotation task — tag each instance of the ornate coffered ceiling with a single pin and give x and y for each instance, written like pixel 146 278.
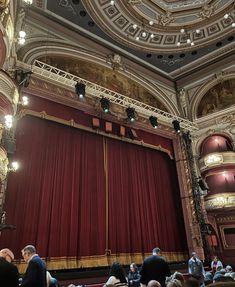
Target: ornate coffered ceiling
pixel 161 21
pixel 158 23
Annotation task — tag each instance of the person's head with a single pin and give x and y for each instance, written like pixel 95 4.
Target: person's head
pixel 117 271
pixel 153 283
pixel 27 252
pixel 223 271
pixel 133 267
pixel 194 255
pixel 174 283
pixel 179 276
pixel 156 251
pixel 215 258
pixel 7 254
pixel 229 268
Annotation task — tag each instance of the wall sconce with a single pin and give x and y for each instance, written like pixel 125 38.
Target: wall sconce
pixel 14 166
pixel 24 101
pixel 8 121
pixel 28 2
pixel 21 39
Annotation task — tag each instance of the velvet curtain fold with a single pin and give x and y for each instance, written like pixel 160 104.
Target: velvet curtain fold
pixel 144 200
pixel 77 194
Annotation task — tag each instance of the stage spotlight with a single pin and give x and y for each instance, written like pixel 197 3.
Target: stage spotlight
pixel 176 126
pixel 131 114
pixel 153 121
pixel 105 103
pixel 80 90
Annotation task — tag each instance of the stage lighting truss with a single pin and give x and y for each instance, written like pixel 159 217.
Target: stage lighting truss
pixel 142 109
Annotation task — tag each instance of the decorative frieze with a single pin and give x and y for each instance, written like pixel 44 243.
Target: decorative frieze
pixel 220 201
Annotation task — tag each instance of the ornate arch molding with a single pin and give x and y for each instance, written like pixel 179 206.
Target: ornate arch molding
pixel 212 133
pixel 39 51
pixel 205 88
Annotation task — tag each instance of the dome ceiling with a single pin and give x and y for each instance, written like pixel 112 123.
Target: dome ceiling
pixel 155 25
pixel 149 31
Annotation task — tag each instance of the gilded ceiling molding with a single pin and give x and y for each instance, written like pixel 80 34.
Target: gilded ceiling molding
pixel 46 51
pixel 167 20
pixel 200 93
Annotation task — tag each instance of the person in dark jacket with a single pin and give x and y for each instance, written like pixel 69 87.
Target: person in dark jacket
pixel 133 276
pixel 9 275
pixel 35 275
pixel 154 268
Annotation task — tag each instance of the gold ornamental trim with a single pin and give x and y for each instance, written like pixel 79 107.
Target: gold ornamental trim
pixel 56 263
pixel 220 201
pixel 72 123
pixel 223 237
pixel 214 160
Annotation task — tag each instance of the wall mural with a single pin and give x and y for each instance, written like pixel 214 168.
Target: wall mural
pixel 104 77
pixel 217 98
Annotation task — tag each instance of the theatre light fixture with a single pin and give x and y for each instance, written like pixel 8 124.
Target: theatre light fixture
pixel 131 114
pixel 105 104
pixel 80 90
pixel 176 126
pixel 153 121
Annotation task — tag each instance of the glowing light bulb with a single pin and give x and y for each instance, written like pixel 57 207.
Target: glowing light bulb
pixel 22 34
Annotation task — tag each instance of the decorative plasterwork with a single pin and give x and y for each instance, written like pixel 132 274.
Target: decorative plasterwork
pixel 223 237
pixel 161 92
pixel 3 161
pixel 205 87
pixel 225 219
pixel 220 201
pixel 217 159
pixel 9 90
pixel 6 31
pixel 117 20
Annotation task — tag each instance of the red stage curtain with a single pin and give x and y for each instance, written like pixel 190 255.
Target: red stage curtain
pixel 144 200
pixel 57 199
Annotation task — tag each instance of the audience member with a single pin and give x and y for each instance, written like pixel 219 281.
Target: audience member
pixel 133 276
pixel 215 264
pixel 174 283
pixel 179 276
pixel 195 268
pixel 222 284
pixel 51 281
pixel 229 272
pixel 153 283
pixel 154 268
pixel 35 275
pixel 208 278
pixel 117 276
pixel 9 275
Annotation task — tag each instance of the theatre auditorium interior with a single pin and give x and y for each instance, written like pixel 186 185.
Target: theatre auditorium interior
pixel 117 133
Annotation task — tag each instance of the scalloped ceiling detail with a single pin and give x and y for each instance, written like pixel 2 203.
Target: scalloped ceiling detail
pixel 168 18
